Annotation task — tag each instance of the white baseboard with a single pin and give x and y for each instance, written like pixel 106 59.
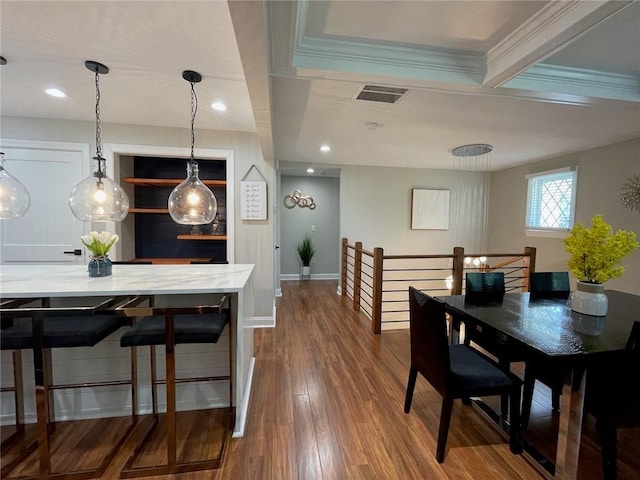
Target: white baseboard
pixel 238 430
pixel 262 322
pixel 314 276
pixel 278 292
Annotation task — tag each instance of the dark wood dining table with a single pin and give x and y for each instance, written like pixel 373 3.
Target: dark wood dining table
pixel 547 329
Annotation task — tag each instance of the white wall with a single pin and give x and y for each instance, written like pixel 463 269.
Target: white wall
pixel 375 208
pixel 253 241
pixel 601 173
pixel 297 221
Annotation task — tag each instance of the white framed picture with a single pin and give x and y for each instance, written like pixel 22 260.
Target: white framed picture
pixel 429 209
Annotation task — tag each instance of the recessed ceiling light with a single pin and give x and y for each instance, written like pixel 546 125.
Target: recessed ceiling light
pixel 54 92
pixel 219 106
pixel 310 170
pixel 325 148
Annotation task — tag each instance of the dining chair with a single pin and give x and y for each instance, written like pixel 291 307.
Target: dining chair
pixel 170 326
pixel 613 397
pixel 455 371
pixel 486 288
pixel 63 327
pixel 544 285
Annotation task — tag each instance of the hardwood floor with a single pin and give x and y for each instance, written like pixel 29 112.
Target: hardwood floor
pixel 327 403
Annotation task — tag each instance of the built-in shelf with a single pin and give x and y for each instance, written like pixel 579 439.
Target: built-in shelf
pixel 202 237
pixel 168 182
pixel 148 210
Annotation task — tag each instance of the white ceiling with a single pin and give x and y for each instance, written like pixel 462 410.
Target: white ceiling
pixel 533 78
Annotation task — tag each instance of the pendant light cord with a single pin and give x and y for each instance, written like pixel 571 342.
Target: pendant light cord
pixel 194 109
pixel 98 139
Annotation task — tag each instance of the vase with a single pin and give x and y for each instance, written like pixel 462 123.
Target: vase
pixel 305 272
pixel 589 299
pixel 100 267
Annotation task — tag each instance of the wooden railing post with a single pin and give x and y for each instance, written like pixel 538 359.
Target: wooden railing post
pixel 345 262
pixel 457 270
pixel 376 314
pixel 357 277
pixel 529 266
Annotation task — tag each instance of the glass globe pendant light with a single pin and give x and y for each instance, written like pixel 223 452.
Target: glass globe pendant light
pixel 192 202
pixel 14 198
pixel 98 198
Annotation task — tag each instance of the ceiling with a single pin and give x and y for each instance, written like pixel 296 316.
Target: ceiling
pixel 535 79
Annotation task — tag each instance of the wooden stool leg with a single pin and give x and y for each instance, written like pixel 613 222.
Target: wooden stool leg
pixel 18 392
pixel 171 392
pixel 154 383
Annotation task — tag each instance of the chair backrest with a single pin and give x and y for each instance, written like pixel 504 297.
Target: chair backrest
pixel 200 262
pixel 429 345
pixel 549 285
pixel 484 286
pixel 633 344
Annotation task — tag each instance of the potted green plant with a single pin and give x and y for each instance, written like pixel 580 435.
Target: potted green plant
pixel 595 255
pixel 306 251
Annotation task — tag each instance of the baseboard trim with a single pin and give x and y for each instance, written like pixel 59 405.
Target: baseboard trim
pixel 263 322
pixel 314 276
pixel 238 430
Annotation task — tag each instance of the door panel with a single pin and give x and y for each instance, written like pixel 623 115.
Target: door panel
pixel 49 170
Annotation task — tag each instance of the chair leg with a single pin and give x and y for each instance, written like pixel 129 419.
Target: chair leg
pixel 411 383
pixel 527 394
pixel 514 421
pixel 608 442
pixel 443 430
pixel 556 391
pixel 154 383
pixel 504 399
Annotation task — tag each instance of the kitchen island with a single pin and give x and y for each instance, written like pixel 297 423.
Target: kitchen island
pixel 187 284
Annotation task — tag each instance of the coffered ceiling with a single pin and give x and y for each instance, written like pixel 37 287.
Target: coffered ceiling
pixel 533 78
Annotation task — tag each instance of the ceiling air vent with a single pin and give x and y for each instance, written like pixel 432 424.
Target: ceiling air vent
pixel 377 93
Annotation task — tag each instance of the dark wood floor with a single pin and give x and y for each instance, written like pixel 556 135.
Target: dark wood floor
pixel 327 403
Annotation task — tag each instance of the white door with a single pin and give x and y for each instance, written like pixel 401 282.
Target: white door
pixel 48 233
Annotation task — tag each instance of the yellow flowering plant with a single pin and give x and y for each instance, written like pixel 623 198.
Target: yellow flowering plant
pixel 99 244
pixel 596 251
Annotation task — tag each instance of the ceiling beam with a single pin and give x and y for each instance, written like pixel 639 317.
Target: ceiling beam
pixel 554 27
pixel 250 28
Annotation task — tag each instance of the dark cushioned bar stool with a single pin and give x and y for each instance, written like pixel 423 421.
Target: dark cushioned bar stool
pixel 41 329
pixel 170 326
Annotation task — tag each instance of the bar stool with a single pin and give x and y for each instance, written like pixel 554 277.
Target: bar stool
pixel 171 326
pixel 41 329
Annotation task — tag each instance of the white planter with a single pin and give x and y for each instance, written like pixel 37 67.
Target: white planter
pixel 589 299
pixel 305 272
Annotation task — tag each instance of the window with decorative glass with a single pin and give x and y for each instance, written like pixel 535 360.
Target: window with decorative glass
pixel 551 200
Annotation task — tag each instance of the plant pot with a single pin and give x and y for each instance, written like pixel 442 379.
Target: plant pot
pixel 305 272
pixel 99 267
pixel 589 299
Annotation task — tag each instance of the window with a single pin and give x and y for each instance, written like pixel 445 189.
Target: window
pixel 551 200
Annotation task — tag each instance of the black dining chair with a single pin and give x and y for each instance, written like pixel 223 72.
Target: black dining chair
pixel 485 288
pixel 170 326
pixel 613 397
pixel 455 371
pixel 544 285
pixel 63 327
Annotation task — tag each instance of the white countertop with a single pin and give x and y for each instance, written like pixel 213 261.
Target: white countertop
pixel 24 281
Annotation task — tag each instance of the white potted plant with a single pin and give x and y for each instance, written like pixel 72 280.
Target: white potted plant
pixel 595 254
pixel 306 251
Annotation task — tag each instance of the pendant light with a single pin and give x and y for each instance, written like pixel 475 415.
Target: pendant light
pixel 14 198
pixel 98 198
pixel 192 202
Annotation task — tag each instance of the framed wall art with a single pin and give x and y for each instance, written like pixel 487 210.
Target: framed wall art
pixel 429 209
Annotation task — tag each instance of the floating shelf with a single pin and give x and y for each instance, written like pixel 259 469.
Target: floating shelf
pixel 202 237
pixel 168 182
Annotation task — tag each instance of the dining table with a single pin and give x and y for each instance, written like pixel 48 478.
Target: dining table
pixel 548 330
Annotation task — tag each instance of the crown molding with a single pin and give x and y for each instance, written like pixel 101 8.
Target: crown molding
pixel 554 27
pixel 578 81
